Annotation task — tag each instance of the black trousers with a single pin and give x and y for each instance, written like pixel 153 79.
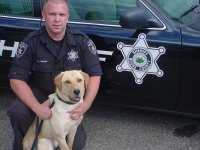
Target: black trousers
pixel 21 118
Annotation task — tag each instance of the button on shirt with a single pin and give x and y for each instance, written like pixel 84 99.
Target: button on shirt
pixel 38 62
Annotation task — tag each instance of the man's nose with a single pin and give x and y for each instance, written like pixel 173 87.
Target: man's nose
pixel 57 18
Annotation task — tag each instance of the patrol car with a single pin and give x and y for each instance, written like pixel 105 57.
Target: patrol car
pixel 149 49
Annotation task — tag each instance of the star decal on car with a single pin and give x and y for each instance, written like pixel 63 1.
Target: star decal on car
pixel 140 59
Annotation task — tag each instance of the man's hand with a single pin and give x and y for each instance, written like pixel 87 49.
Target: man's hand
pixel 77 112
pixel 90 94
pixel 43 111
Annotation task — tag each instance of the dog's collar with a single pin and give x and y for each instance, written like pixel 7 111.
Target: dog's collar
pixel 66 102
pixel 52 104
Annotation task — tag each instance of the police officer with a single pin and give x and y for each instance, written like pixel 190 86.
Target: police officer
pixel 39 58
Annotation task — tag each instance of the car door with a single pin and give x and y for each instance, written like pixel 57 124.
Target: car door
pixel 17 19
pixel 188 16
pixel 186 19
pixel 190 61
pixel 100 20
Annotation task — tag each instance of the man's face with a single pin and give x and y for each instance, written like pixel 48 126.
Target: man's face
pixel 56 15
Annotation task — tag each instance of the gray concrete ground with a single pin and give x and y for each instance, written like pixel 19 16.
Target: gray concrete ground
pixel 110 128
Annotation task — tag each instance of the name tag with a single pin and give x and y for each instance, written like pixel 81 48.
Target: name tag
pixel 42 61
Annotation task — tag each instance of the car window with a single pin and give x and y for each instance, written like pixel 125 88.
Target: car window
pixel 16 7
pixel 188 14
pixel 173 8
pixel 99 11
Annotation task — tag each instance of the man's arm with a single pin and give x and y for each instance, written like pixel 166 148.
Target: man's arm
pixel 25 94
pixel 91 92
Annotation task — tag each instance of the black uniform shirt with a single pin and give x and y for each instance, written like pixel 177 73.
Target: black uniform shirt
pixel 37 62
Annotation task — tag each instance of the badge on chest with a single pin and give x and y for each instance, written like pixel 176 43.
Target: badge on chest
pixel 72 55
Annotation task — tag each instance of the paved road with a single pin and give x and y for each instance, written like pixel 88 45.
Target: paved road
pixel 111 128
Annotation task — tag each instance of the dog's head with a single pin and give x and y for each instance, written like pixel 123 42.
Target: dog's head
pixel 71 85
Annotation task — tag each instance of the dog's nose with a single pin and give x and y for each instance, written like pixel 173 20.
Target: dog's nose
pixel 77 92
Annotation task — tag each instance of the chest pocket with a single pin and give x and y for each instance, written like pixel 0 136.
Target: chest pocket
pixel 43 74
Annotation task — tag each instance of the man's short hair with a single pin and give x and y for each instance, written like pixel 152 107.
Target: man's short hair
pixel 44 2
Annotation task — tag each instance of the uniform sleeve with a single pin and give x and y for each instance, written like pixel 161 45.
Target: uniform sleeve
pixel 22 64
pixel 90 59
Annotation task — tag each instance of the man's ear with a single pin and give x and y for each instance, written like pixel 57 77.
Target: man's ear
pixel 86 78
pixel 58 81
pixel 43 15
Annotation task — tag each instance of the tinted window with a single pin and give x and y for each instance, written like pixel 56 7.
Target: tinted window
pixel 99 11
pixel 173 7
pixel 16 7
pixel 184 11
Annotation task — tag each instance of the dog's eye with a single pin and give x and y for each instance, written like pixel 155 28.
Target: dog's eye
pixel 79 80
pixel 68 82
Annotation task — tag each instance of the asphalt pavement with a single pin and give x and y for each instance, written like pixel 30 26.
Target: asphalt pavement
pixel 114 128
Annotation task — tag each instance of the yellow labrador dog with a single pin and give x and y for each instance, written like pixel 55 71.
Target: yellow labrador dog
pixel 70 89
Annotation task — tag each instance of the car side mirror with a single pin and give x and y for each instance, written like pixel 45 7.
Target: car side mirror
pixel 139 18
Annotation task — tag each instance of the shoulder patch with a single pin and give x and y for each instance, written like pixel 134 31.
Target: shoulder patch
pixel 92 47
pixel 21 49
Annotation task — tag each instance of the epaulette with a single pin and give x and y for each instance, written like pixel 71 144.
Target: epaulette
pixel 78 33
pixel 35 33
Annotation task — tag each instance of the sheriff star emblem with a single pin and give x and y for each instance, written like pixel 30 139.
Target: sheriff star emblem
pixel 140 59
pixel 72 55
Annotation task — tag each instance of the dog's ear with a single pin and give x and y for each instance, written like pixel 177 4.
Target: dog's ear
pixel 58 81
pixel 86 78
